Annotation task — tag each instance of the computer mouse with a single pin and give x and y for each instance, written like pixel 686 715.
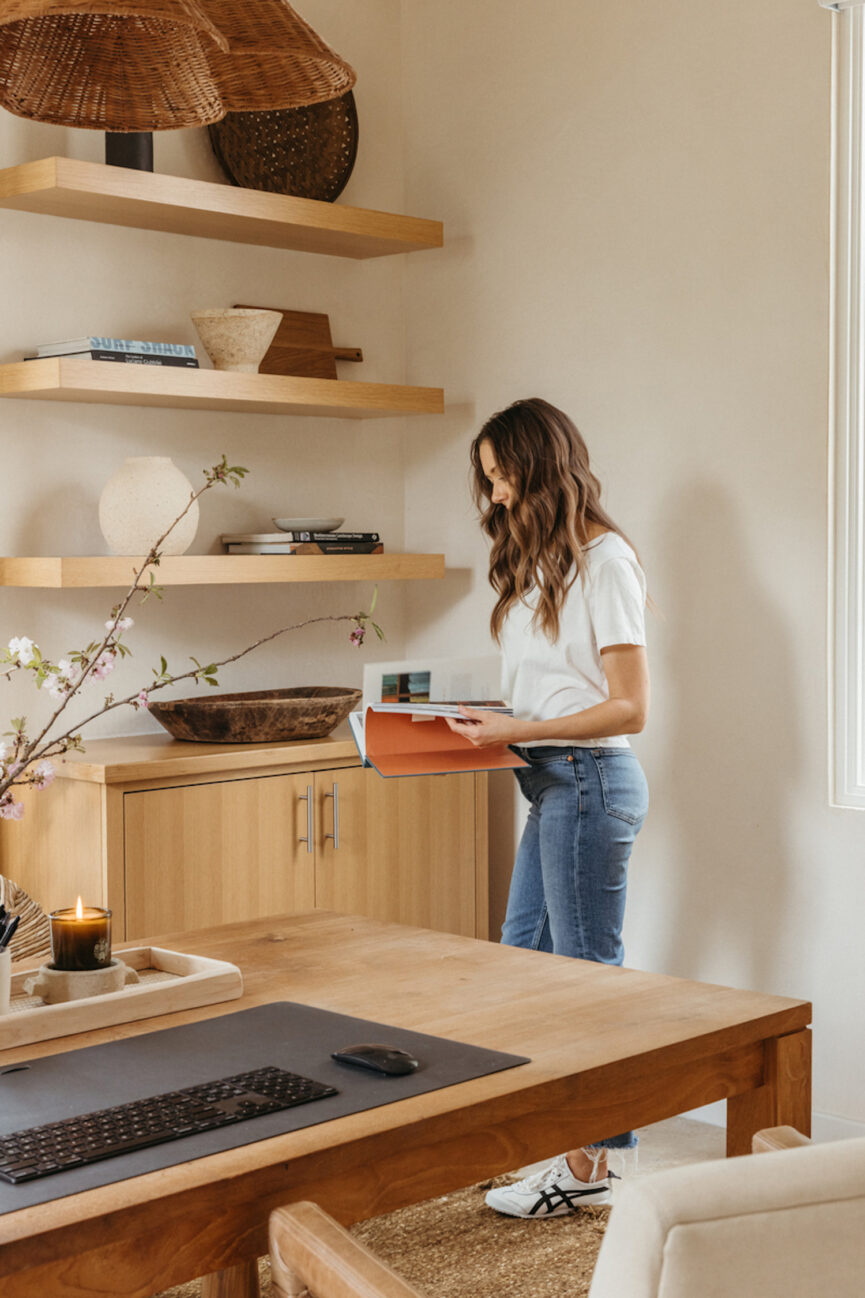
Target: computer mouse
pixel 389 1060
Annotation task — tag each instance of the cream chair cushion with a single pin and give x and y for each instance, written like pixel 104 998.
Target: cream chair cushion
pixel 788 1224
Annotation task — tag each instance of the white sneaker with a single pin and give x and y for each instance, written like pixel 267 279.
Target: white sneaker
pixel 554 1192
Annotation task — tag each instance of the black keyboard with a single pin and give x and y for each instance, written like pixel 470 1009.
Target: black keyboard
pixel 74 1142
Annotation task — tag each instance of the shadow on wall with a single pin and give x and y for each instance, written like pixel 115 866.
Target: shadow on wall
pixel 729 777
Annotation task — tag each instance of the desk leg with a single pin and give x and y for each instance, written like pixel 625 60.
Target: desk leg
pixel 239 1281
pixel 784 1099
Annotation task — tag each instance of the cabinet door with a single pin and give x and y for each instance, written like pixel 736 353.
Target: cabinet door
pixel 406 849
pixel 206 854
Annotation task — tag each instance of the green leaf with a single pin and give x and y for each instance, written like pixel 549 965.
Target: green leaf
pixel 378 631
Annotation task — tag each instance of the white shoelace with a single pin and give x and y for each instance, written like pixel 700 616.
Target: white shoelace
pixel 560 1167
pixel 551 1173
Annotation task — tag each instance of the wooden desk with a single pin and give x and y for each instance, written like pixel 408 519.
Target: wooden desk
pixel 611 1049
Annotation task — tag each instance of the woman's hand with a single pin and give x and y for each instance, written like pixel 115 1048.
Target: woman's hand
pixel 483 728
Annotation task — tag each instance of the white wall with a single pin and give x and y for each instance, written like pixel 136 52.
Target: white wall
pixel 636 199
pixel 64 279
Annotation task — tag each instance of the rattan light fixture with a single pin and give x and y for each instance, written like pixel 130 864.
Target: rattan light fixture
pixel 274 58
pixel 153 65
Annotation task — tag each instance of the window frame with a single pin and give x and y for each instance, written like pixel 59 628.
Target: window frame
pixel 847 414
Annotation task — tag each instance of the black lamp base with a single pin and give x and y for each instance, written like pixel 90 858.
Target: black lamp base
pixel 129 149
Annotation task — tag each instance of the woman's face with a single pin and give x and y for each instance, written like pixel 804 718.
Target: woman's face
pixel 501 490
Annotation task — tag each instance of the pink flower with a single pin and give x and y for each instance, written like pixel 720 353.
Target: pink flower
pixel 62 683
pixel 43 775
pixel 142 701
pixel 104 665
pixel 123 624
pixel 356 636
pixel 9 808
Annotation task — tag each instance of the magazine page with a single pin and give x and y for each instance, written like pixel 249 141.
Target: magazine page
pixel 432 680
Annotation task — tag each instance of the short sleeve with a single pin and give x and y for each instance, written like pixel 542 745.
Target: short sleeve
pixel 617 603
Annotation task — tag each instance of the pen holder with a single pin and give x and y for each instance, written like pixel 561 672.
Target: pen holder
pixel 5 979
pixel 58 985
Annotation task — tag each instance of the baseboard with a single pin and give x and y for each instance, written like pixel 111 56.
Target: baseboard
pixel 824 1126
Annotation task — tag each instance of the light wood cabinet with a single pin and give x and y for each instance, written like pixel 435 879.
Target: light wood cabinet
pixel 175 836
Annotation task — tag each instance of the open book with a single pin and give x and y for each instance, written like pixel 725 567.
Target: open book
pixel 443 709
pixel 402 727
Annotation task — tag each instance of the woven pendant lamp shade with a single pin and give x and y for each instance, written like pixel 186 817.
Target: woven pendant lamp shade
pixel 136 65
pixel 151 65
pixel 274 58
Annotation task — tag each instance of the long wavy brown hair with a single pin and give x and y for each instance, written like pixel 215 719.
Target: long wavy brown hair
pixel 538 544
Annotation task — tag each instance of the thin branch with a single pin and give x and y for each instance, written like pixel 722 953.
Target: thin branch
pixel 33 756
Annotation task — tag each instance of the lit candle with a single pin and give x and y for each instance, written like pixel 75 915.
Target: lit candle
pixel 80 937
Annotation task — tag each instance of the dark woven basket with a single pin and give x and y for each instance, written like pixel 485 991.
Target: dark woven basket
pixel 308 152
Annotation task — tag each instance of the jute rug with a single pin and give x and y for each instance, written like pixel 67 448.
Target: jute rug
pixel 456 1247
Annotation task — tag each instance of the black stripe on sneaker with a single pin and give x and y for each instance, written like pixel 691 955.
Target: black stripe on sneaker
pixel 556 1197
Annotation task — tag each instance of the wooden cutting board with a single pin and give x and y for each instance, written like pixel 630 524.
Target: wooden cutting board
pixel 302 346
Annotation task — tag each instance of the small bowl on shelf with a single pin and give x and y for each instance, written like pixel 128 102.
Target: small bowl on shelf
pixel 257 716
pixel 308 524
pixel 236 338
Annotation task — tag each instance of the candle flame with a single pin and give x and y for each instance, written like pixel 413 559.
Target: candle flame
pixel 79 909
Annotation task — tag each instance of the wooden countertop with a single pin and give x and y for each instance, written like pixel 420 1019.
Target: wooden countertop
pixel 145 757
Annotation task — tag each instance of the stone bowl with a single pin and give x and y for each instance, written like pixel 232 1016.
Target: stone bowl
pixel 236 338
pixel 257 716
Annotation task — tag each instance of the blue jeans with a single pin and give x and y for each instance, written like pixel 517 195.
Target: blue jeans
pixel 569 882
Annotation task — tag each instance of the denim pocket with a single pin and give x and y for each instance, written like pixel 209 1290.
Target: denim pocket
pixel 623 785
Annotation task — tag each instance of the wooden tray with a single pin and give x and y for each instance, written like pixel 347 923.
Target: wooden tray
pixel 169 981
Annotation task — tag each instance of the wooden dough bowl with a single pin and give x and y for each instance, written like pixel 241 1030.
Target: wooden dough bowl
pixel 257 716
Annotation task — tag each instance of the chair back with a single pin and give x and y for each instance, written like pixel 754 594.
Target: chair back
pixel 311 1253
pixel 790 1222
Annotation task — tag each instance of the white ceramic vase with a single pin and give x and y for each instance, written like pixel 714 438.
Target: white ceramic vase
pixel 141 500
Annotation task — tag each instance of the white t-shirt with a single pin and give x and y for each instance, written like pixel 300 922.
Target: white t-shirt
pixel 543 680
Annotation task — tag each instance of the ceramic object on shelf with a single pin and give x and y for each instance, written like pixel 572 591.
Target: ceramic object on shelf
pixel 141 500
pixel 308 524
pixel 257 716
pixel 236 338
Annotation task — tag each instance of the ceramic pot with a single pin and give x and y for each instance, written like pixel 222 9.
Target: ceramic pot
pixel 141 500
pixel 236 338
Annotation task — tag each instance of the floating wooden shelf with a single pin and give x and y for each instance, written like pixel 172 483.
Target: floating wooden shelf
pixel 219 569
pixel 115 384
pixel 92 191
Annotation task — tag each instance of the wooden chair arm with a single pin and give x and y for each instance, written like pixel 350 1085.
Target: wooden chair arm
pixel 310 1251
pixel 772 1138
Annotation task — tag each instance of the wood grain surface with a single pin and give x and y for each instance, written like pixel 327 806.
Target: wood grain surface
pixel 92 191
pixel 610 1049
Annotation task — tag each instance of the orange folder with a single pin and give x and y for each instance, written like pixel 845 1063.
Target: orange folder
pixel 396 744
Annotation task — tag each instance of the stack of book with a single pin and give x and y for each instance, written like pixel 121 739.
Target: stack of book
pixel 303 543
pixel 131 351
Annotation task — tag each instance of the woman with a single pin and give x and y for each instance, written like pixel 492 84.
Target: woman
pixel 570 620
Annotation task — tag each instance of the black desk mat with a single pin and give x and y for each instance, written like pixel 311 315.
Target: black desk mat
pixel 299 1038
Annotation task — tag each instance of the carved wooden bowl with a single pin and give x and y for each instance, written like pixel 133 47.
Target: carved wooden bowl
pixel 257 716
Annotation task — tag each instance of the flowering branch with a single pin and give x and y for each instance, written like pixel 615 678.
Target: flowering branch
pixel 24 760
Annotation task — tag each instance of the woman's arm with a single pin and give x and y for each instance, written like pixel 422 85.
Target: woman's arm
pixel 623 713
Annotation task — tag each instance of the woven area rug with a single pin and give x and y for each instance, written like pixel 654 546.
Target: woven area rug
pixel 456 1247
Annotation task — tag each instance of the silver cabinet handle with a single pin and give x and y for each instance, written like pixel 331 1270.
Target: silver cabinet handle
pixel 335 834
pixel 310 811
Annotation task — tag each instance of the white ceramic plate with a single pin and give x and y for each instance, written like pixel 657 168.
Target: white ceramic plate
pixel 308 524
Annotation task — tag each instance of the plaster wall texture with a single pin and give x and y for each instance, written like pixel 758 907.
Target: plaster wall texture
pixel 66 279
pixel 636 207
